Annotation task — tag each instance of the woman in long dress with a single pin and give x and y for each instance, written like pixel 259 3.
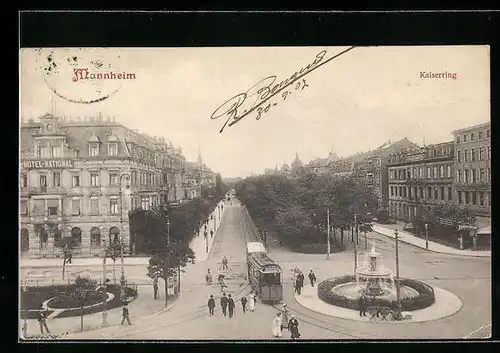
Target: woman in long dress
pixel 277 325
pixel 251 301
pixel 285 317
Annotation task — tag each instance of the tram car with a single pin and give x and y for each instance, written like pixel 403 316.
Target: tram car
pixel 264 275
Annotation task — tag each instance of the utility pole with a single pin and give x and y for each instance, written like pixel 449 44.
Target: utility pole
pixel 166 267
pixel 105 295
pixel 398 289
pixel 328 233
pixel 355 247
pixel 426 236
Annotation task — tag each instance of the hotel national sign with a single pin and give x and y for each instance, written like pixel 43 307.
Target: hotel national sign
pixel 45 164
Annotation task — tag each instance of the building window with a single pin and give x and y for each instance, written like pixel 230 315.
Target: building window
pixel 113 206
pixel 487 134
pixel 57 178
pixel 145 203
pixel 436 194
pixel 76 236
pixel 23 207
pixel 466 155
pixel 482 175
pixel 43 181
pixel 421 192
pixel 481 198
pixel 481 153
pixel 466 176
pixel 465 138
pixel 435 174
pixel 95 237
pixel 489 175
pixel 459 156
pixel 488 198
pixel 449 194
pixel 473 197
pixel 392 190
pixel 56 151
pixel 466 197
pixel 489 152
pixel 409 191
pixel 473 154
pixel 441 171
pixel 395 191
pixel 43 150
pixel 480 135
pixel 75 180
pixel 24 180
pixel 113 179
pixel 75 207
pixel 472 136
pixel 448 171
pixel 421 173
pixel 52 210
pixel 429 174
pixel 113 149
pixel 38 207
pixel 458 139
pixel 94 179
pixel 442 192
pixel 94 206
pixel 472 175
pixel 93 150
pixel 114 234
pixel 459 197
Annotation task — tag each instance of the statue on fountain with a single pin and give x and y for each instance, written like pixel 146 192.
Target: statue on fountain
pixel 374 274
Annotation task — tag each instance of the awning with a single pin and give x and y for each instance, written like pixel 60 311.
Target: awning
pixel 484 230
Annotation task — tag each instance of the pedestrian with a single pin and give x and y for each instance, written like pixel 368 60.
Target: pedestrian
pixel 230 306
pixel 125 315
pixel 299 283
pixel 285 317
pixel 211 305
pixel 362 302
pixel 155 288
pixel 293 327
pixel 244 304
pixel 277 323
pixel 42 320
pixel 224 263
pixel 312 278
pixel 223 304
pixel 211 233
pixel 251 301
pixel 208 277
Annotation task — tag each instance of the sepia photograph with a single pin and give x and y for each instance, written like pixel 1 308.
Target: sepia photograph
pixel 255 193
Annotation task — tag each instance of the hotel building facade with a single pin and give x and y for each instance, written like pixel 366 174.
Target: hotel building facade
pixel 81 178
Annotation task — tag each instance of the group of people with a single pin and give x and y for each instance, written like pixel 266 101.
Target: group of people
pixel 299 279
pixel 227 304
pixel 285 320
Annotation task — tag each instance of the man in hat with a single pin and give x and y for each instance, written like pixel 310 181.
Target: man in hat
pixel 125 315
pixel 224 303
pixel 293 327
pixel 42 320
pixel 244 304
pixel 312 278
pixel 230 306
pixel 211 305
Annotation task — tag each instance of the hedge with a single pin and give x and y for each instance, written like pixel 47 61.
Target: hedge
pixel 424 299
pixel 315 248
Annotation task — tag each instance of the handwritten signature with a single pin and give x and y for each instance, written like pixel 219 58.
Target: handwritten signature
pixel 241 105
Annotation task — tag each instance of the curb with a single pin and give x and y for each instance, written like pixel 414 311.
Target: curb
pixel 434 251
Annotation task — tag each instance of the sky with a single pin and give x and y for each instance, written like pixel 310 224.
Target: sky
pixel 353 103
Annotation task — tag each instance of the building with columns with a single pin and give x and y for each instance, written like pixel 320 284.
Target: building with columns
pixel 80 178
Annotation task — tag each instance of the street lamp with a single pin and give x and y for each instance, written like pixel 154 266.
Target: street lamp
pixel 105 294
pixel 426 236
pixel 356 244
pixel 328 233
pixel 205 233
pixel 122 278
pixel 398 289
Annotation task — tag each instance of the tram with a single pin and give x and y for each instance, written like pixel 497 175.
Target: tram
pixel 264 275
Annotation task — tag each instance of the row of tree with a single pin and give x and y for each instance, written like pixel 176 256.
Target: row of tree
pixel 296 208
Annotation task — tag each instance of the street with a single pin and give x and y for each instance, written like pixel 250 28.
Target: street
pixel 467 277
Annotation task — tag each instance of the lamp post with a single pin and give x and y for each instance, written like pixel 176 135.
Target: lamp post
pixel 105 294
pixel 205 233
pixel 122 277
pixel 355 245
pixel 426 236
pixel 398 289
pixel 328 233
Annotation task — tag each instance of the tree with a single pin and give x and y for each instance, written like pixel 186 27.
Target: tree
pixel 83 288
pixel 166 262
pixel 114 251
pixel 66 243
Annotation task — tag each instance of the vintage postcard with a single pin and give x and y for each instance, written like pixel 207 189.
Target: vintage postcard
pixel 255 193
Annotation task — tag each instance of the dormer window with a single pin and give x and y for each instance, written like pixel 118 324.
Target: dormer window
pixel 93 146
pixel 56 151
pixel 112 146
pixel 43 149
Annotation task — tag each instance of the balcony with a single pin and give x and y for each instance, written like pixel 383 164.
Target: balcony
pixel 472 186
pixel 54 190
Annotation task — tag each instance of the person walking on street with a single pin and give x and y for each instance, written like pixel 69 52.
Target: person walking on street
pixel 299 283
pixel 285 317
pixel 223 304
pixel 230 306
pixel 244 304
pixel 211 233
pixel 251 301
pixel 277 324
pixel 125 315
pixel 211 305
pixel 312 278
pixel 293 327
pixel 42 320
pixel 224 263
pixel 362 303
pixel 155 288
pixel 208 277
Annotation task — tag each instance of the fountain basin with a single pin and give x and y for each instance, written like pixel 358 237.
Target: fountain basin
pixel 352 290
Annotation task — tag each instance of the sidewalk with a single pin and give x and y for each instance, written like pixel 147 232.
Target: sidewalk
pixel 199 244
pixel 406 237
pixel 85 262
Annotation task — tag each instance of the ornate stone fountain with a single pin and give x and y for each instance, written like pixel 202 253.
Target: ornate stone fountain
pixel 377 278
